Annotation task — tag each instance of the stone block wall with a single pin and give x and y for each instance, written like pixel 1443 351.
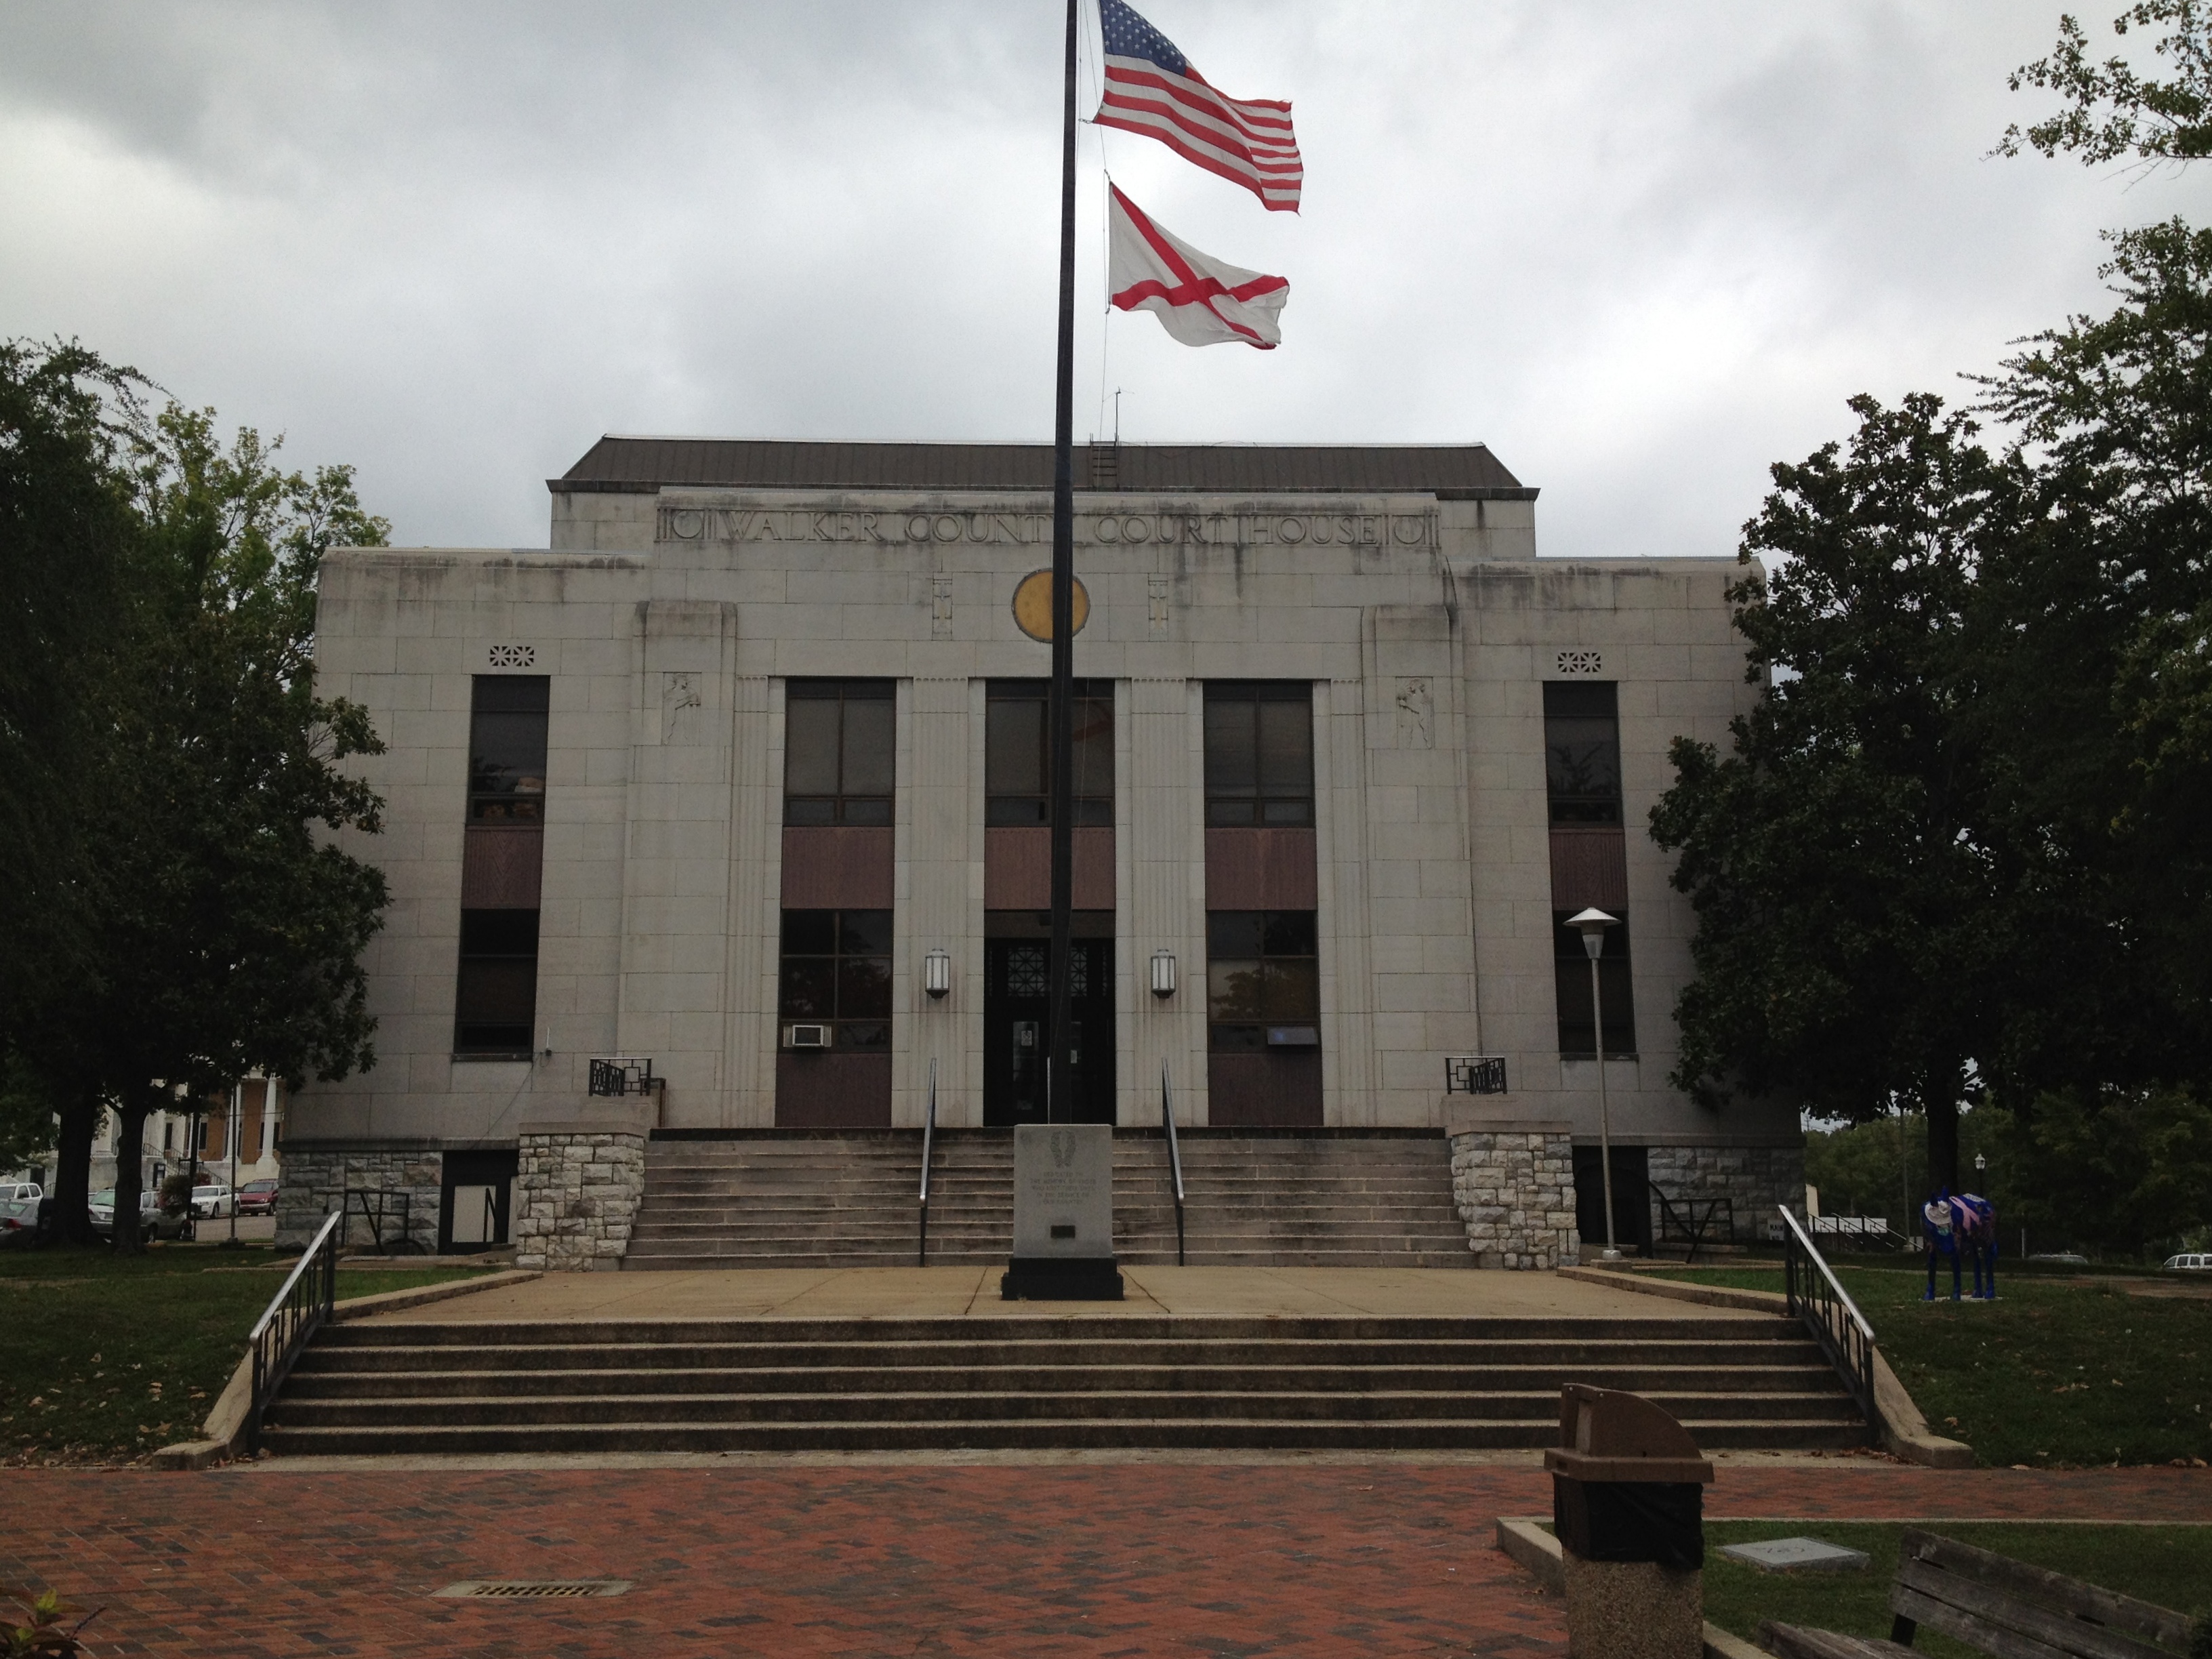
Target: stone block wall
pixel 1514 1186
pixel 1755 1180
pixel 315 1182
pixel 576 1197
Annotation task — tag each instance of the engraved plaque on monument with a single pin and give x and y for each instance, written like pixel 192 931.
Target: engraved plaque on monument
pixel 1063 1214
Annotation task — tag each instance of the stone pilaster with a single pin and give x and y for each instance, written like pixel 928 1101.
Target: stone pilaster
pixel 1514 1181
pixel 577 1187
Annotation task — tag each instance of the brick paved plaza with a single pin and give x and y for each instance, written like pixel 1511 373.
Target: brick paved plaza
pixel 1110 1559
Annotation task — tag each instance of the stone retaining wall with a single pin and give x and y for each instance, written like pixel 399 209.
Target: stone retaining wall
pixel 316 1180
pixel 1514 1181
pixel 577 1195
pixel 1755 1180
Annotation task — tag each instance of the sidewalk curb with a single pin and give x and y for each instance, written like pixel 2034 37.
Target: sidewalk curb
pixel 1905 1431
pixel 226 1424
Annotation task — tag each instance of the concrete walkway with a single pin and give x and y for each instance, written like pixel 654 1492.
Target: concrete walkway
pixel 971 1292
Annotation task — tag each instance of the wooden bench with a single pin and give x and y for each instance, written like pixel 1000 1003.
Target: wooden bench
pixel 2003 1607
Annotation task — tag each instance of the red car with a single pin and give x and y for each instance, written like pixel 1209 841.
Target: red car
pixel 258 1197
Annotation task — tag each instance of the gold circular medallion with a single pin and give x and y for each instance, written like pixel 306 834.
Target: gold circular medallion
pixel 1033 605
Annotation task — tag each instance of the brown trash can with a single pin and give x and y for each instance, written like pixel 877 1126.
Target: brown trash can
pixel 1628 1503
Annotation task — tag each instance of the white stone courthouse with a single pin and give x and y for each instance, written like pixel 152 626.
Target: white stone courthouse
pixel 721 779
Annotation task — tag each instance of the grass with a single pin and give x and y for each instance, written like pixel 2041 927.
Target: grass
pixel 2053 1374
pixel 109 1357
pixel 2170 1565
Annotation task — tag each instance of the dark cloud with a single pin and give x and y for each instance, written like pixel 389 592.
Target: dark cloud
pixel 1643 251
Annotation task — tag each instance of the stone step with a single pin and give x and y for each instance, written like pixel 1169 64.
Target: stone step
pixel 1218 1434
pixel 639 1382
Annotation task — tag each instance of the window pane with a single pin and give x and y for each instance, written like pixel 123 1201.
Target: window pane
pixel 810 747
pixel 1291 934
pixel 863 987
pixel 498 993
pixel 1233 991
pixel 870 740
pixel 1013 748
pixel 1292 992
pixel 1017 811
pixel 506 752
pixel 1238 1039
pixel 1094 811
pixel 876 810
pixel 810 932
pixel 498 933
pixel 1286 748
pixel 1581 767
pixel 511 694
pixel 864 1034
pixel 1232 933
pixel 865 932
pixel 810 986
pixel 1094 748
pixel 1231 767
pixel 1287 812
pixel 1229 810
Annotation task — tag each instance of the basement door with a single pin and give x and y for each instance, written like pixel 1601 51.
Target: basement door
pixel 1016 1012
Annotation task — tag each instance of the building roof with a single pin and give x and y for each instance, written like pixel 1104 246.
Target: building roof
pixel 1451 471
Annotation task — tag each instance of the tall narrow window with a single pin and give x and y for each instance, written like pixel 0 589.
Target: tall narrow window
pixel 1262 981
pixel 840 737
pixel 507 748
pixel 1018 752
pixel 837 972
pixel 495 1006
pixel 1571 984
pixel 1259 753
pixel 1581 751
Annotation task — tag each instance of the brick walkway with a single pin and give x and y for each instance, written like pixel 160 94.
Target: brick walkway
pixel 1102 1561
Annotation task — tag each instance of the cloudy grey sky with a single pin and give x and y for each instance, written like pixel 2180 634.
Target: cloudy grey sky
pixel 1643 251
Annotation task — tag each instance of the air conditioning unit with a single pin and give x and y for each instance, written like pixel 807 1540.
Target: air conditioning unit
pixel 807 1037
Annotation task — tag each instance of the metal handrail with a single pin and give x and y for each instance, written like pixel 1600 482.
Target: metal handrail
pixel 1819 1298
pixel 1174 1154
pixel 295 1314
pixel 928 1138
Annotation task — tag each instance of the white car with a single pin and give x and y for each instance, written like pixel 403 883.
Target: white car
pixel 152 1223
pixel 210 1202
pixel 19 1206
pixel 2190 1264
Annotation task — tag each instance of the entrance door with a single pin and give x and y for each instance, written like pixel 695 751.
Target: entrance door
pixel 1016 1015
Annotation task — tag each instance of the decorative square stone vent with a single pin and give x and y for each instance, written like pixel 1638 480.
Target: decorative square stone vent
pixel 534 1589
pixel 511 656
pixel 1581 662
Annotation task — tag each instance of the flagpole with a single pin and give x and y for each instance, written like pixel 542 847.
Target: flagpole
pixel 1059 1084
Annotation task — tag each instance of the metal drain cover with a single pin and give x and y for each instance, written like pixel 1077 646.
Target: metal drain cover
pixel 534 1589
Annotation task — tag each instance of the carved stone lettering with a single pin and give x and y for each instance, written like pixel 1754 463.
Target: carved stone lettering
pixel 1019 529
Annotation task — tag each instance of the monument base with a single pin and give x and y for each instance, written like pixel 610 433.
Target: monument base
pixel 1060 1278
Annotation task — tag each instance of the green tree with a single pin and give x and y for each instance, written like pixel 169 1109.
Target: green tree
pixel 2113 112
pixel 1835 858
pixel 231 928
pixel 71 546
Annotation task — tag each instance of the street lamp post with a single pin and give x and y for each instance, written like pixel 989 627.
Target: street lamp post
pixel 1591 924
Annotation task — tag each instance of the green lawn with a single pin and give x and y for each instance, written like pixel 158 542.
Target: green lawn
pixel 2171 1565
pixel 108 1357
pixel 2051 1374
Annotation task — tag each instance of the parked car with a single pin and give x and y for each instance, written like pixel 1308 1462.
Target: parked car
pixel 19 1206
pixel 2071 1258
pixel 257 1197
pixel 2190 1264
pixel 212 1200
pixel 153 1222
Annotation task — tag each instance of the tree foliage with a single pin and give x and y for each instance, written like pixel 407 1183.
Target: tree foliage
pixel 215 927
pixel 2111 110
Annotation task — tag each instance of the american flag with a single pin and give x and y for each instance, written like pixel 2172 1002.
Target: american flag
pixel 1152 88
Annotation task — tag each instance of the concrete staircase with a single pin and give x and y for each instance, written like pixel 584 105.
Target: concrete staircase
pixel 783 1199
pixel 1353 1383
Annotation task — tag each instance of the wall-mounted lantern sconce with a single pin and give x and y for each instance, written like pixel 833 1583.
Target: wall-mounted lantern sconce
pixel 1164 974
pixel 937 973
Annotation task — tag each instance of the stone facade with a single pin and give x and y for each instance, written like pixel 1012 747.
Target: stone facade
pixel 576 1196
pixel 1514 1181
pixel 1755 1180
pixel 316 1180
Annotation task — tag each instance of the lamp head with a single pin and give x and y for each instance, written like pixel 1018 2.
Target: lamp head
pixel 1164 974
pixel 1591 925
pixel 937 973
